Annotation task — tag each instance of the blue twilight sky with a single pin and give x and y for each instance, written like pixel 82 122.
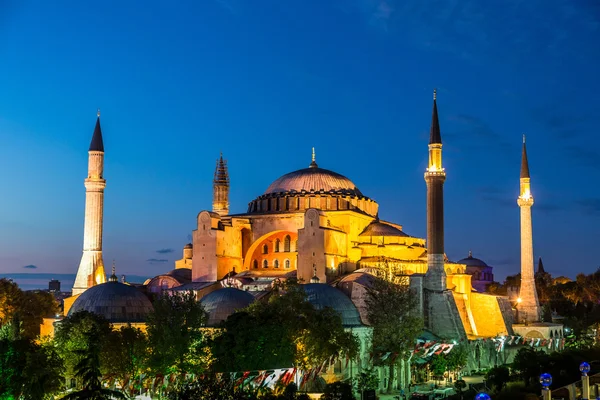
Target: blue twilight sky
pixel 264 81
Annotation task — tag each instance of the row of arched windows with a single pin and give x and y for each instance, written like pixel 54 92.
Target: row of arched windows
pixel 277 245
pixel 265 264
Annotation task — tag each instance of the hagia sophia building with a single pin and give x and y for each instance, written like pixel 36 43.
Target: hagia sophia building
pixel 315 225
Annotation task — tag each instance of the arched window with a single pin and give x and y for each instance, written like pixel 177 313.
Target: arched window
pixel 255 264
pixel 265 264
pixel 286 243
pixel 276 245
pixel 286 264
pixel 265 249
pixel 276 264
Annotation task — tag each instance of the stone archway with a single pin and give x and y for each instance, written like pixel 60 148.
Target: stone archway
pixel 258 243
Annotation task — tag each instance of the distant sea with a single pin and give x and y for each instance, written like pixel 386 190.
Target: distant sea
pixel 40 281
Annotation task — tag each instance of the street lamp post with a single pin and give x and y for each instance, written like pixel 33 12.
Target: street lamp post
pixel 546 381
pixel 585 380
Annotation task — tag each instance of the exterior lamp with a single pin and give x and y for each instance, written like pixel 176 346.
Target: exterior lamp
pixel 482 396
pixel 546 381
pixel 519 300
pixel 585 380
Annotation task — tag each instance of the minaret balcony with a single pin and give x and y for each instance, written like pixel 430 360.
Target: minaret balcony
pixel 525 201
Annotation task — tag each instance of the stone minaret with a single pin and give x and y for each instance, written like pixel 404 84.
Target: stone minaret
pixel 440 310
pixel 435 279
pixel 529 307
pixel 221 188
pixel 91 268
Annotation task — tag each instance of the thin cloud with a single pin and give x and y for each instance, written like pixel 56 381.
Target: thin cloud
pixel 30 266
pixel 589 206
pixel 165 251
pixel 157 260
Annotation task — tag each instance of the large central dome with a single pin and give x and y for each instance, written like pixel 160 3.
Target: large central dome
pixel 312 187
pixel 312 179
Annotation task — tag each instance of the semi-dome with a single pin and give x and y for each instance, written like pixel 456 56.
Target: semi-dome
pixel 313 179
pixel 117 302
pixel 471 261
pixel 220 304
pixel 378 228
pixel 321 295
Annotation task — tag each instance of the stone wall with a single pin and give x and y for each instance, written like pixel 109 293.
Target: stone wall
pixel 442 316
pixel 488 315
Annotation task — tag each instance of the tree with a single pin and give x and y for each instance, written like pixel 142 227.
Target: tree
pixel 124 353
pixel 460 385
pixel 28 370
pixel 88 371
pixel 457 358
pixel 175 338
pixel 438 365
pixel 338 391
pixel 208 387
pixel 528 364
pixel 285 331
pixel 74 336
pixel 390 309
pixel 367 379
pixel 34 307
pixel 497 377
pixel 28 307
pixel 10 300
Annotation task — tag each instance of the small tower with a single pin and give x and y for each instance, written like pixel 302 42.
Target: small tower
pixel 435 279
pixel 221 188
pixel 529 306
pixel 91 268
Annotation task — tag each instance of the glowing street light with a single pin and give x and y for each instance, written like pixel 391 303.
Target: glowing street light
pixel 546 381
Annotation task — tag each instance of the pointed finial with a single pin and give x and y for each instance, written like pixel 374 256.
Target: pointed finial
pixel 523 138
pixel 434 93
pixel 98 113
pixel 470 254
pixel 113 276
pixel 313 163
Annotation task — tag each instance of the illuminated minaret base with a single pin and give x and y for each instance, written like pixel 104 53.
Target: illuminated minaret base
pixel 221 188
pixel 91 268
pixel 440 311
pixel 529 306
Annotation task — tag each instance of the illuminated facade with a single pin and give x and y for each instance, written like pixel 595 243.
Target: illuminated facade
pixel 91 268
pixel 316 225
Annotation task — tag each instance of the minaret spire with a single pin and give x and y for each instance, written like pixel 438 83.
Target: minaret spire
pixel 524 162
pixel 529 307
pixel 91 268
pixel 434 132
pixel 221 188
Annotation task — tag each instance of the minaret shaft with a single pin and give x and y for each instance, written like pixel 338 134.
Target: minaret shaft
pixel 91 268
pixel 529 306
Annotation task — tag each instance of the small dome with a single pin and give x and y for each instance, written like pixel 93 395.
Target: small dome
pixel 472 261
pixel 321 295
pixel 117 302
pixel 220 304
pixel 378 228
pixel 312 178
pixel 188 246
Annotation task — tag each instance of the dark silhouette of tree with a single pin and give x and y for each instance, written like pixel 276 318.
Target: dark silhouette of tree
pixel 282 332
pixel 88 372
pixel 175 339
pixel 28 370
pixel 498 377
pixel 390 309
pixel 73 337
